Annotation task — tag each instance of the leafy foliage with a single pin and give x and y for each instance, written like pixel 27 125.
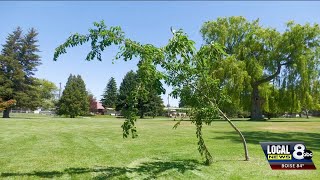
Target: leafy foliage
pixel 183 65
pixel 290 59
pixel 6 104
pixel 47 91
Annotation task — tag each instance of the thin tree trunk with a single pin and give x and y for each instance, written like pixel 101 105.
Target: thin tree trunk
pixel 245 147
pixel 6 113
pixel 246 152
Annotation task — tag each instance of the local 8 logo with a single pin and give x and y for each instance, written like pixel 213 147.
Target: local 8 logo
pixel 300 152
pixel 288 155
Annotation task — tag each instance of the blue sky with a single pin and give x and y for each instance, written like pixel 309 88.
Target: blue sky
pixel 146 22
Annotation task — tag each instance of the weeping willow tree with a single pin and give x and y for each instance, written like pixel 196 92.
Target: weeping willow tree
pixel 290 57
pixel 183 65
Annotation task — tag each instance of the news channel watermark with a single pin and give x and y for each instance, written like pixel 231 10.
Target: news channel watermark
pixel 288 155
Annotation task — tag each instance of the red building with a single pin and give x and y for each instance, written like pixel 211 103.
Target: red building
pixel 96 107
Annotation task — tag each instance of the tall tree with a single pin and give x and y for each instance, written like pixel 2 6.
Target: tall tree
pixel 148 100
pixel 149 88
pixel 109 97
pixel 19 60
pixel 127 86
pixel 74 100
pixel 151 105
pixel 266 53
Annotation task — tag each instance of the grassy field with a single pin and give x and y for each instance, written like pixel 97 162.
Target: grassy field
pixel 34 147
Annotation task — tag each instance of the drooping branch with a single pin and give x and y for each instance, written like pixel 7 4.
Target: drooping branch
pixel 232 125
pixel 177 58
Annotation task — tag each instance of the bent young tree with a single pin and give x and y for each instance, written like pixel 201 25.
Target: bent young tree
pixel 184 67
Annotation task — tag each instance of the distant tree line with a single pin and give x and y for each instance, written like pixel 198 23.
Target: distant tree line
pixel 77 101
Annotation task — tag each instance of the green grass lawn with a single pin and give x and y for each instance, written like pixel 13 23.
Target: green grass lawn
pixel 34 147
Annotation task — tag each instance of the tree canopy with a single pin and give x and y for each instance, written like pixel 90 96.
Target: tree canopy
pixel 47 91
pixel 289 59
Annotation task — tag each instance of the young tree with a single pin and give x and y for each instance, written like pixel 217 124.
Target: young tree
pixel 18 61
pixel 109 97
pixel 74 99
pixel 184 67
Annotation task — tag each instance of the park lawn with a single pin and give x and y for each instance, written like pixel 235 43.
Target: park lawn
pixel 35 147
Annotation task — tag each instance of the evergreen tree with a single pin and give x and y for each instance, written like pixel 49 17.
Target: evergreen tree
pixel 18 62
pixel 147 96
pixel 74 100
pixel 151 105
pixel 156 106
pixel 127 86
pixel 109 97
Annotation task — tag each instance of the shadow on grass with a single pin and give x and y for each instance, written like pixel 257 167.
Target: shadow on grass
pixel 148 170
pixel 311 140
pixel 250 120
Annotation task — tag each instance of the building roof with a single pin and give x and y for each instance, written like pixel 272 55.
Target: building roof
pixel 99 106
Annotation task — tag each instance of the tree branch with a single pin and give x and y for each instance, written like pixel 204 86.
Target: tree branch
pixel 269 78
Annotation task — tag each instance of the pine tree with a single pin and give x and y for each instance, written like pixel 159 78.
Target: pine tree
pixel 127 86
pixel 18 62
pixel 156 106
pixel 109 97
pixel 74 100
pixel 29 59
pixel 149 101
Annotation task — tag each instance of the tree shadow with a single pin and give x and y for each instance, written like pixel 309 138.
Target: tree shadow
pixel 250 120
pixel 149 170
pixel 311 140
